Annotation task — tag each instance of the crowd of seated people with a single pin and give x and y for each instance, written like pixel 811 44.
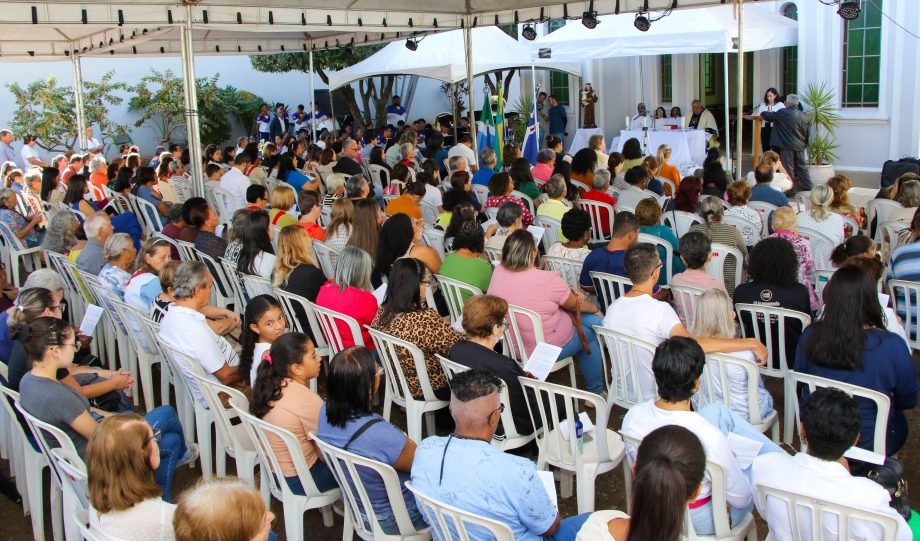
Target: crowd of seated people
pixel 312 222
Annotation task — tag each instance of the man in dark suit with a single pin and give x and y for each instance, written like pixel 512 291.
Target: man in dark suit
pixel 279 124
pixel 347 162
pixel 790 135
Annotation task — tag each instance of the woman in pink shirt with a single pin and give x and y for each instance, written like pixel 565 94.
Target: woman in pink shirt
pixel 545 292
pixel 349 293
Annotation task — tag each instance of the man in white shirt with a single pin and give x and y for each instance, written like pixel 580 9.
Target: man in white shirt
pixel 235 180
pixel 701 118
pixel 184 327
pixel 830 425
pixel 241 144
pixel 93 145
pixel 464 148
pixel 640 315
pixel 30 157
pixel 640 119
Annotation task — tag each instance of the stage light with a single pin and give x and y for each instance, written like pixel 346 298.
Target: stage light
pixel 589 19
pixel 849 9
pixel 412 44
pixel 529 32
pixel 642 23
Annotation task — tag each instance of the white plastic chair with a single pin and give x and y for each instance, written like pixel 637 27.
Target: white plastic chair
pixel 453 291
pixel 879 211
pixel 81 522
pixel 344 466
pixel 491 212
pixel 149 216
pixel 595 210
pixel 263 434
pixel 328 321
pixel 481 192
pixel 803 201
pixel 601 453
pixel 232 439
pixel 765 210
pixel 888 237
pixel 187 251
pixel 520 318
pixel 551 228
pixel 511 439
pixel 429 213
pixel 234 283
pixel 882 403
pixel 449 523
pixel 743 224
pixel 323 252
pixel 68 272
pixel 717 381
pixel 685 298
pixel 807 517
pixel 27 465
pixel 581 186
pixel 716 265
pixel 528 202
pixel 668 259
pixel 222 293
pixel 290 304
pixel 256 285
pixel 752 319
pixel 623 367
pixel 494 254
pixel 569 269
pixel 680 221
pixel 815 238
pixel 376 172
pixel 906 299
pixel 397 390
pixel 608 287
pixel 182 366
pixel 850 226
pixel 434 238
pixel 13 251
pixel 144 340
pixel 222 201
pixel 73 485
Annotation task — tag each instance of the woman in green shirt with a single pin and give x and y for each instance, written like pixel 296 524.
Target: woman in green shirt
pixel 523 180
pixel 466 263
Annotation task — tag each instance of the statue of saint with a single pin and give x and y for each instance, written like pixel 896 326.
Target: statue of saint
pixel 588 99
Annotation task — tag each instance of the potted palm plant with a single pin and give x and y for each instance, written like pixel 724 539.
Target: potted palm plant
pixel 821 108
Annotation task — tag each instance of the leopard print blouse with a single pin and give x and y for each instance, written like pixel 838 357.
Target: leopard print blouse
pixel 432 334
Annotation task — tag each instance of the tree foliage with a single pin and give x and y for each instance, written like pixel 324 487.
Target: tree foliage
pixel 158 99
pixel 376 90
pixel 49 111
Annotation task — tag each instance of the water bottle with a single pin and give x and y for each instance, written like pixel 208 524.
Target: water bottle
pixel 579 436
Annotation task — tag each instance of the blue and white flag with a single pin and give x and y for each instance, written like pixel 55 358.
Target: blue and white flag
pixel 531 146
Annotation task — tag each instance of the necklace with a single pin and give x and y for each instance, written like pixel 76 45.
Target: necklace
pixel 444 454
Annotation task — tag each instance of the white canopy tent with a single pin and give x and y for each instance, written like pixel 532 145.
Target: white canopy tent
pixel 690 31
pixel 442 57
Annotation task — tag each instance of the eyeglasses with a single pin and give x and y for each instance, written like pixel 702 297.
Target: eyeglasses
pixel 62 306
pixel 74 345
pixel 500 409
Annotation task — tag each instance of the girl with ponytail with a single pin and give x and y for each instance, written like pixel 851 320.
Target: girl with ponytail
pixel 263 323
pixel 281 396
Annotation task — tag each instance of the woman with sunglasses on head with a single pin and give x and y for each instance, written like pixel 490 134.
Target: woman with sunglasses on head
pixel 347 421
pixel 50 344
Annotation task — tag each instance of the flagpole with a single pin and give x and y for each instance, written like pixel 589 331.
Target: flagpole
pixel 500 127
pixel 536 93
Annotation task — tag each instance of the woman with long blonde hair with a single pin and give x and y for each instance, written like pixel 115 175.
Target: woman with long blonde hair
pixel 840 185
pixel 121 458
pixel 666 170
pixel 295 270
pixel 340 224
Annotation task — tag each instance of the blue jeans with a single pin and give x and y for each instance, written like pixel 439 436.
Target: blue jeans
pixel 172 445
pixel 388 522
pixel 589 364
pixel 569 527
pixel 729 422
pixel 322 476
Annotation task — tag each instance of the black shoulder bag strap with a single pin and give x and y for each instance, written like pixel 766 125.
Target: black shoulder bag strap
pixel 361 430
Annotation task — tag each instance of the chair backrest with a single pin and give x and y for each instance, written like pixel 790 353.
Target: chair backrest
pixel 881 400
pixel 905 296
pixel 222 292
pixel 569 269
pixel 290 304
pixel 323 252
pixel 551 405
pixel 609 287
pixel 256 285
pixel 223 202
pixel 453 291
pixel 76 299
pixel 879 210
pixel 718 374
pixel 526 199
pixel 716 265
pixel 601 215
pixel 183 367
pixel 685 298
pixel 386 346
pixel 850 226
pixel 223 417
pixel 344 466
pixel 150 217
pixel 329 321
pixel 263 435
pixel 551 228
pixel 670 189
pixel 627 363
pixel 434 238
pixel 48 438
pixel 481 192
pixel 668 259
pixel 494 254
pixel 449 523
pixel 680 221
pixel 81 519
pixel 187 251
pixel 520 319
pixel 803 200
pixel 815 238
pixel 581 186
pixel 765 210
pixel 376 172
pixel 73 475
pixel 12 241
pixel 743 224
pixel 234 281
pixel 491 213
pixel 769 325
pixel 888 234
pixel 429 213
pixel 807 517
pixel 822 277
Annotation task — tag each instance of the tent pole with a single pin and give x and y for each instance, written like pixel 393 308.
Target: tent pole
pixel 453 109
pixel 726 137
pixel 740 113
pixel 81 141
pixel 190 91
pixel 536 119
pixel 468 42
pixel 312 98
pixel 332 112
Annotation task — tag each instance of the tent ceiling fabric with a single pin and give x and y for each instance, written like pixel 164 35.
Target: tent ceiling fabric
pixel 441 57
pixel 51 30
pixel 710 30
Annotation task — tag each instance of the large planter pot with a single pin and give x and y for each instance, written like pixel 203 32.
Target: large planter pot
pixel 820 174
